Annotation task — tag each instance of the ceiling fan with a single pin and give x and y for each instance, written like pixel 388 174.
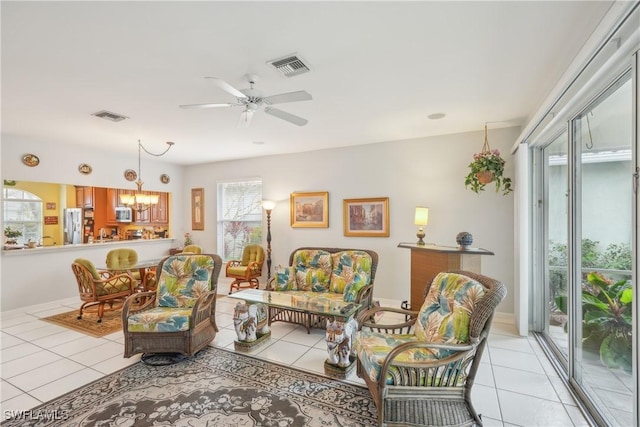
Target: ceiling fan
pixel 251 99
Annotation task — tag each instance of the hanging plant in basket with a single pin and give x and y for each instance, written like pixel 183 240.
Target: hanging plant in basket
pixel 487 167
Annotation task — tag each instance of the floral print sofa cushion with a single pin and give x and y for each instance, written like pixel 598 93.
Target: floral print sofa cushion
pixel 183 279
pixel 351 272
pixel 446 312
pixel 313 269
pixel 373 347
pixel 443 318
pixel 160 319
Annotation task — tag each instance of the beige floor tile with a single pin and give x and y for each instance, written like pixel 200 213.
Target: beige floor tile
pixel 523 382
pixel 66 384
pixel 45 374
pixel 116 363
pixel 525 410
pixel 27 363
pixel 22 402
pixel 97 354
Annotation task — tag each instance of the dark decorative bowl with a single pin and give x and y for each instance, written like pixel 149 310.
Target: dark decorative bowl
pixel 464 239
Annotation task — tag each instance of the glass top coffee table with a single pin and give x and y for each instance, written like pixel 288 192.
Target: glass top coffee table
pixel 252 318
pixel 319 305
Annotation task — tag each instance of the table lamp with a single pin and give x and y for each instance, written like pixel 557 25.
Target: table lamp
pixel 421 219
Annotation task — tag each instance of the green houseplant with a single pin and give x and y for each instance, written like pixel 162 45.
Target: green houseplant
pixel 12 235
pixel 606 319
pixel 487 166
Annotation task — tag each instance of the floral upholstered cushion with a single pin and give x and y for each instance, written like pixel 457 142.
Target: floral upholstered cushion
pixel 373 347
pixel 446 312
pixel 160 319
pixel 285 279
pixel 183 279
pixel 351 272
pixel 313 269
pixel 312 279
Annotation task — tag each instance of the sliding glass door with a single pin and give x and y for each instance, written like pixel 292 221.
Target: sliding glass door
pixel 586 204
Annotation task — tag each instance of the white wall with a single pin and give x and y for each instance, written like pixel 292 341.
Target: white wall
pixel 427 172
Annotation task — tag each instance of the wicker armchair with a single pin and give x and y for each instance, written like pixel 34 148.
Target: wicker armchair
pixel 420 370
pixel 248 269
pixel 179 317
pixel 100 287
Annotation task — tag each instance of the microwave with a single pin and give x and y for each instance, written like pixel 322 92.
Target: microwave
pixel 124 214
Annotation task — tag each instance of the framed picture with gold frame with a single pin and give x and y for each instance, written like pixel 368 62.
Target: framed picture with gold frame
pixel 366 217
pixel 197 208
pixel 310 210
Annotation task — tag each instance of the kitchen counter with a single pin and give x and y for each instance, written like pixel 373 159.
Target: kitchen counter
pixel 21 250
pixel 43 274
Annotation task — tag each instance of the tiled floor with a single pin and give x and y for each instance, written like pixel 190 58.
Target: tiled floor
pixel 516 385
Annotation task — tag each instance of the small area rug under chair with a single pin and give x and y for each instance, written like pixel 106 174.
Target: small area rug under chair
pixel 214 388
pixel 111 322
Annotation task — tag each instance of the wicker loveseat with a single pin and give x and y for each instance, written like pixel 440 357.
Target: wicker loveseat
pixel 324 274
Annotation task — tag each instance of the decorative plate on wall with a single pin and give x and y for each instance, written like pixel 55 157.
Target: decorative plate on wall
pixel 130 175
pixel 164 178
pixel 85 169
pixel 31 160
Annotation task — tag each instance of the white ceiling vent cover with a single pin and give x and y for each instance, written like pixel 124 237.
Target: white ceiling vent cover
pixel 108 115
pixel 290 65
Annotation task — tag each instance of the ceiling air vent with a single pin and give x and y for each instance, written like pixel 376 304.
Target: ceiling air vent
pixel 108 115
pixel 290 66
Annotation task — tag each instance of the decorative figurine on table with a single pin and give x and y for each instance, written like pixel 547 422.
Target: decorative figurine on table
pixel 339 341
pixel 250 321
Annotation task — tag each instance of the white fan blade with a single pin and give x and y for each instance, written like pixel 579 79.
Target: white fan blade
pixel 227 87
pixel 245 119
pixel 300 95
pixel 208 105
pixel 286 116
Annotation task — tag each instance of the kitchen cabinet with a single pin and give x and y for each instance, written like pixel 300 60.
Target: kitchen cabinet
pixel 112 202
pixel 84 197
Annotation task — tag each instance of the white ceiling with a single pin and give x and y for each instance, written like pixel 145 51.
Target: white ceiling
pixel 378 69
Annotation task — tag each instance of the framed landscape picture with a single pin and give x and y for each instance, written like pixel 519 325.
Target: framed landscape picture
pixel 310 209
pixel 366 217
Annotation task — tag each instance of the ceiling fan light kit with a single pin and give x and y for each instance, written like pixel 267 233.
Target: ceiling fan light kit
pixel 251 99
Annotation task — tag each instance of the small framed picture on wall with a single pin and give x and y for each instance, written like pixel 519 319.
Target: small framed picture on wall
pixel 366 217
pixel 197 208
pixel 310 209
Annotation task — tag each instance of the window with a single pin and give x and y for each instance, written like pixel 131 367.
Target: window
pixel 239 216
pixel 23 212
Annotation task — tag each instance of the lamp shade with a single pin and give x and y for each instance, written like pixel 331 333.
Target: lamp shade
pixel 422 216
pixel 268 205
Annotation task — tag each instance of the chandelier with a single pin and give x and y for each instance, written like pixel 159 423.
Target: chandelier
pixel 142 201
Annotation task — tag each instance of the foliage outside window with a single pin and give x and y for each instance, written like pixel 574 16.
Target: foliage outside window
pixel 239 216
pixel 23 212
pixel 606 298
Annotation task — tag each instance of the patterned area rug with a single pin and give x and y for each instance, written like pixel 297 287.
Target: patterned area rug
pixel 111 322
pixel 215 388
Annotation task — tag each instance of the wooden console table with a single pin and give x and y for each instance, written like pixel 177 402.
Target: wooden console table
pixel 429 260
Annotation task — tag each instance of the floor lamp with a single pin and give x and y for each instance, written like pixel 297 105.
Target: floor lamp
pixel 268 206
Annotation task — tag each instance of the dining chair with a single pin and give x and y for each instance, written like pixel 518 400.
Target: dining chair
pixel 100 287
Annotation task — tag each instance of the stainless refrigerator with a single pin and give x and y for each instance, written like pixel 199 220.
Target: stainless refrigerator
pixel 73 226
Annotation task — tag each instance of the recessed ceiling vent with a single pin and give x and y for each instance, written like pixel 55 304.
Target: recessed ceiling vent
pixel 108 115
pixel 290 65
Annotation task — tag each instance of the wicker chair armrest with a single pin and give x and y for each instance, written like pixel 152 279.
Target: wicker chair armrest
pixel 203 308
pixel 269 286
pixel 233 263
pixel 365 319
pixel 136 303
pixel 461 351
pixel 254 267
